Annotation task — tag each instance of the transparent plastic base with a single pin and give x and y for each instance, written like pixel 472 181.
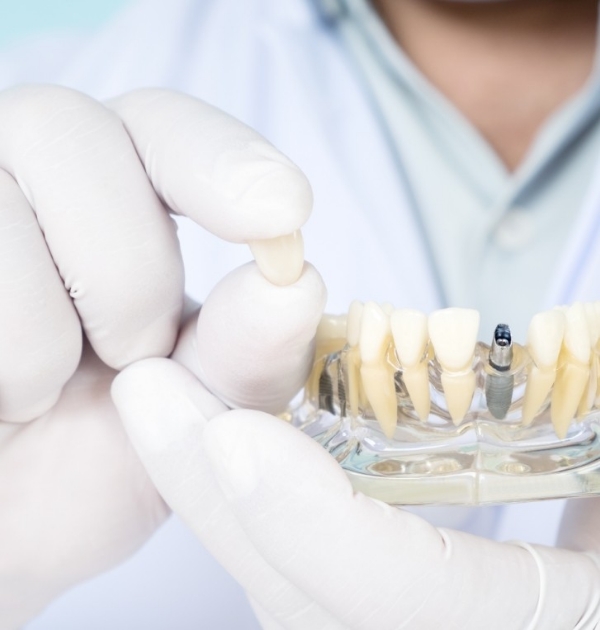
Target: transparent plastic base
pixel 483 460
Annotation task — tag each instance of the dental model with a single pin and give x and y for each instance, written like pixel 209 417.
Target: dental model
pixel 573 373
pixel 453 333
pixel 409 330
pixel 376 373
pixel 398 396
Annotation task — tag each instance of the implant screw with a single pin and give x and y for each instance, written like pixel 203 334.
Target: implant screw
pixel 499 387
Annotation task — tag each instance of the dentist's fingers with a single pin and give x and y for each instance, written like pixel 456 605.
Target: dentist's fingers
pixel 165 411
pixel 113 243
pixel 371 565
pixel 40 335
pixel 214 169
pixel 255 340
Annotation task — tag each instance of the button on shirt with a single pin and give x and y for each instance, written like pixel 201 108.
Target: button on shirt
pixel 495 237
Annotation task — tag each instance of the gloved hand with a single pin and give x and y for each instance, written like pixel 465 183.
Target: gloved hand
pixel 87 245
pixel 279 514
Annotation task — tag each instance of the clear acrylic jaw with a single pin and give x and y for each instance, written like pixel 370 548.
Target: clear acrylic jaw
pixel 491 455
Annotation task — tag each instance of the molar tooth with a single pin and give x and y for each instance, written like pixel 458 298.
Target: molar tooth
pixel 409 330
pixel 453 333
pixel 377 374
pixel 544 341
pixel 574 371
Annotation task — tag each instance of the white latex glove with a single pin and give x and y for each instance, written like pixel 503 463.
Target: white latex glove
pixel 278 512
pixel 86 245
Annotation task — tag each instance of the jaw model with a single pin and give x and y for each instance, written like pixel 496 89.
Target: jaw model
pixel 417 410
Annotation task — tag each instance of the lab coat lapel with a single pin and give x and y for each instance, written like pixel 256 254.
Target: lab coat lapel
pixel 578 276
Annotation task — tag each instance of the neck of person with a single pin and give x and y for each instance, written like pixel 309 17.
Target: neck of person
pixel 506 65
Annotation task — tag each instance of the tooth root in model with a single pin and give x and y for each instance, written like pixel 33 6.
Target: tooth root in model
pixel 377 374
pixel 353 357
pixel 544 341
pixel 330 337
pixel 589 395
pixel 409 330
pixel 453 333
pixel 574 371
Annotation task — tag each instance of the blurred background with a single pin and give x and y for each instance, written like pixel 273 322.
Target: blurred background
pixel 27 18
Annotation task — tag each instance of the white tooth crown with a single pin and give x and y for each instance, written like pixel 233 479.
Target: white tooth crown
pixel 574 370
pixel 544 342
pixel 409 329
pixel 577 335
pixel 331 327
pixel 545 337
pixel 453 333
pixel 353 323
pixel 374 333
pixel 376 372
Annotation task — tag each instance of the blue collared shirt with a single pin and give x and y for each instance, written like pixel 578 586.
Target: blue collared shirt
pixel 494 236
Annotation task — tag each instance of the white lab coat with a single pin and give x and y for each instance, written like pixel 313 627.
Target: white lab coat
pixel 278 66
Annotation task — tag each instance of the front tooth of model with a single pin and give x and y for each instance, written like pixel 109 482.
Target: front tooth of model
pixel 330 337
pixel 331 334
pixel 544 341
pixel 409 330
pixel 574 371
pixel 453 333
pixel 377 374
pixel 387 308
pixel 591 317
pixel 354 319
pixel 589 394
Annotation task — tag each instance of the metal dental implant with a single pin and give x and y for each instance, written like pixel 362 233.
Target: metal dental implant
pixel 499 387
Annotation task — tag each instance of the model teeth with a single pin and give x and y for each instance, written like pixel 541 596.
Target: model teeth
pixel 544 341
pixel 331 334
pixel 353 322
pixel 378 343
pixel 387 308
pixel 353 325
pixel 409 330
pixel 589 395
pixel 453 333
pixel 574 371
pixel 377 374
